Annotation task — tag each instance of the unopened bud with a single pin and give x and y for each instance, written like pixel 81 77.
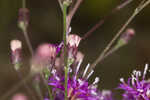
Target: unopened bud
pixel 44 57
pixel 126 37
pixel 19 96
pixel 73 40
pixel 16 47
pixel 23 19
pixel 72 45
pixel 15 44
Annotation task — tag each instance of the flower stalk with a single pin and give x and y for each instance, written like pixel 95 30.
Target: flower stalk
pixel 65 5
pixel 23 22
pixel 24 4
pixel 108 47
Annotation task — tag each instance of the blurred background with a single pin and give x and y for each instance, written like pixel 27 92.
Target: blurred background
pixel 46 26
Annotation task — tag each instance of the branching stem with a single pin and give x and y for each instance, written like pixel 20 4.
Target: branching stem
pixel 136 12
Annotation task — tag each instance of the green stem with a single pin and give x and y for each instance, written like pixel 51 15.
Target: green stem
pixel 23 3
pixel 47 86
pixel 28 41
pixel 37 87
pixel 65 47
pixel 136 12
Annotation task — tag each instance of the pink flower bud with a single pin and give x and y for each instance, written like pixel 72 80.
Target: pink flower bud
pixel 73 40
pixel 45 56
pixel 16 47
pixel 23 19
pixel 15 44
pixel 19 96
pixel 46 51
pixel 128 34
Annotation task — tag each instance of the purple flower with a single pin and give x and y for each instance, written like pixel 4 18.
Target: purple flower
pixel 137 88
pixel 78 87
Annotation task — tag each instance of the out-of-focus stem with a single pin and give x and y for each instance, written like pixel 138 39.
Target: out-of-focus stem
pixel 38 89
pixel 61 6
pixel 101 22
pixel 65 48
pixel 47 86
pixel 72 12
pixel 137 11
pixel 28 41
pixel 17 86
pixel 25 31
pixel 26 86
pixel 23 3
pixel 110 52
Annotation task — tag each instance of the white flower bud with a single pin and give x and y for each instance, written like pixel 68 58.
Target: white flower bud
pixel 15 44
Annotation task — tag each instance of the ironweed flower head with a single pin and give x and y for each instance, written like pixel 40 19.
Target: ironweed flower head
pixel 78 87
pixel 137 87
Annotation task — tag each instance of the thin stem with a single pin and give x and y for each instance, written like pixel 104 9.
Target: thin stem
pixel 112 41
pixel 110 52
pixel 38 89
pixel 61 6
pixel 141 7
pixel 101 22
pixel 137 10
pixel 25 31
pixel 23 3
pixel 17 86
pixel 72 12
pixel 47 86
pixel 26 86
pixel 28 41
pixel 65 48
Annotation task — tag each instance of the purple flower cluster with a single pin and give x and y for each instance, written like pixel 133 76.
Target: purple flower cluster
pixel 78 86
pixel 137 88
